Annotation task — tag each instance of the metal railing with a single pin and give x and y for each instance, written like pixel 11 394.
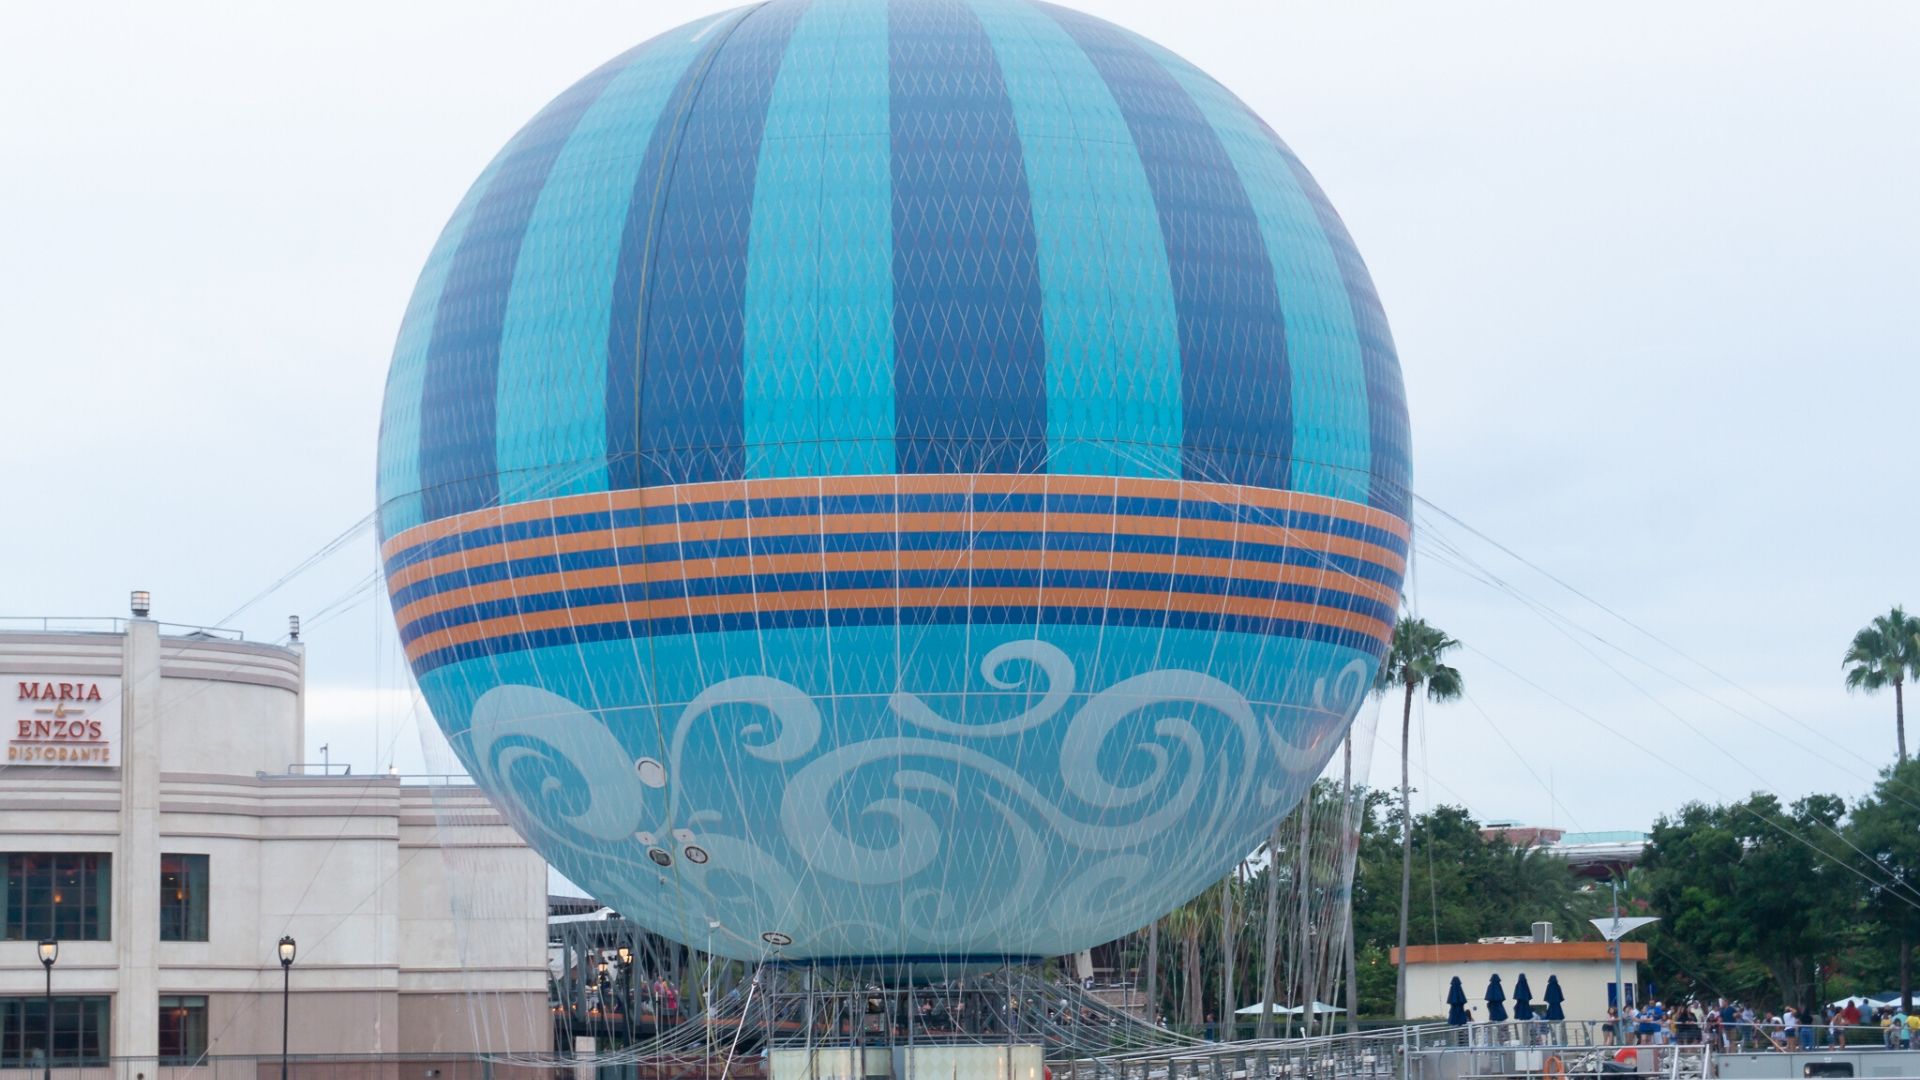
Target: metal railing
pixel 108 624
pixel 1565 1051
pixel 1366 1054
pixel 449 1066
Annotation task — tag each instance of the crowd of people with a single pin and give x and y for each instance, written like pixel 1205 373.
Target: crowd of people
pixel 1735 1026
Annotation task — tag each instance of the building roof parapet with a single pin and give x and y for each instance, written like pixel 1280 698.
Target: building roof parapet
pixel 1521 950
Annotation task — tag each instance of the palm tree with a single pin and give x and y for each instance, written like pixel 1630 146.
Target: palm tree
pixel 1413 661
pixel 1886 652
pixel 1188 923
pixel 1269 951
pixel 1227 1002
pixel 1153 972
pixel 1349 834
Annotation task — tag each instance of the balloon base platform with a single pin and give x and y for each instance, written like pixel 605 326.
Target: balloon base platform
pixel 804 1022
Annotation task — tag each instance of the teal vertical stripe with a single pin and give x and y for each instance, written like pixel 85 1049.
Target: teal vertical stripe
pixel 817 379
pixel 1113 347
pixel 1331 455
pixel 398 481
pixel 550 393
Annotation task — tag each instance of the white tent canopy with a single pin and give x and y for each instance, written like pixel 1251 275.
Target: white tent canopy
pixel 1864 1002
pixel 1320 1008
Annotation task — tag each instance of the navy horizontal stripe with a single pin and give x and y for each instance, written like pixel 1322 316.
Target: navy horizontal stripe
pixel 959 579
pixel 768 509
pixel 995 615
pixel 836 543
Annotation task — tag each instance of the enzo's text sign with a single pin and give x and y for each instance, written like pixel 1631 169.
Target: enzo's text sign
pixel 64 720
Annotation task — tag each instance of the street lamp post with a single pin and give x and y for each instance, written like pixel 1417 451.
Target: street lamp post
pixel 287 950
pixel 605 985
pixel 707 1042
pixel 1620 1003
pixel 49 952
pixel 625 952
pixel 1613 930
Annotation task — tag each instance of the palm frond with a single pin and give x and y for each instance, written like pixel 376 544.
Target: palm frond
pixel 1885 652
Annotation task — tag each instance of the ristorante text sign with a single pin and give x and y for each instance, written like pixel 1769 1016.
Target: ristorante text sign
pixel 63 720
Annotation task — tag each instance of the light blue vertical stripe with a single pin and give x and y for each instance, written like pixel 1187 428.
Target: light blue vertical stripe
pixel 551 390
pixel 1113 347
pixel 817 380
pixel 398 484
pixel 1331 455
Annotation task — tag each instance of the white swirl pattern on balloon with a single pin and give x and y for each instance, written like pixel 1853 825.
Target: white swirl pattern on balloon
pixel 1168 757
pixel 553 767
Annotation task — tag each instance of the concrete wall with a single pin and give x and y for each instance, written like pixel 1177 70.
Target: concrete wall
pixel 420 915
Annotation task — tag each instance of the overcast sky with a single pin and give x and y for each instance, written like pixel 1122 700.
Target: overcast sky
pixel 1652 270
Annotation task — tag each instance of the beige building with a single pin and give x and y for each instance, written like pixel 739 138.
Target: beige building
pixel 152 823
pixel 1585 970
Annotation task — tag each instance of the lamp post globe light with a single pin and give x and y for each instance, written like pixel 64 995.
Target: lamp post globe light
pixel 49 952
pixel 287 951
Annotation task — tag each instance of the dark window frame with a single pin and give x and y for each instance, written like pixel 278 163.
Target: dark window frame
pixel 184 896
pixel 83 1030
pixel 65 895
pixel 183 1032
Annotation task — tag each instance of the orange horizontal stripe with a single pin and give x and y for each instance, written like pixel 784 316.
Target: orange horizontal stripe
pixel 815 599
pixel 904 484
pixel 806 525
pixel 957 559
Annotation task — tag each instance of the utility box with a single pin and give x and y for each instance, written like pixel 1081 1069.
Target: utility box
pixel 968 1062
pixel 834 1063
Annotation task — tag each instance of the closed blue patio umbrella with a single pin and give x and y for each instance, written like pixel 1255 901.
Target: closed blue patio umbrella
pixel 1456 1003
pixel 1522 998
pixel 1553 998
pixel 1496 1000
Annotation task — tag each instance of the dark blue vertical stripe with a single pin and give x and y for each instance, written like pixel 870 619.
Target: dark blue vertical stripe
pixel 633 270
pixel 1234 382
pixel 457 463
pixel 697 188
pixel 632 273
pixel 969 375
pixel 1392 468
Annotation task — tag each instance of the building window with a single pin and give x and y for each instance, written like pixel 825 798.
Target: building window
pixel 79 1031
pixel 183 898
pixel 65 895
pixel 183 1028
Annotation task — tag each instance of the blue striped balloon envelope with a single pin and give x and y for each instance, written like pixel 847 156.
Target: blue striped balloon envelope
pixel 920 480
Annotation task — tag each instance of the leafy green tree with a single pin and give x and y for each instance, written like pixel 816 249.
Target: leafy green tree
pixel 1886 826
pixel 1751 895
pixel 1886 652
pixel 1470 884
pixel 1413 660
